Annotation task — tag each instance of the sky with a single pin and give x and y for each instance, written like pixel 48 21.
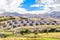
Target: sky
pixel 29 6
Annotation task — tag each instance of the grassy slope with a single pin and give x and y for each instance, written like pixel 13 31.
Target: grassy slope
pixel 43 36
pixel 39 26
pixel 18 38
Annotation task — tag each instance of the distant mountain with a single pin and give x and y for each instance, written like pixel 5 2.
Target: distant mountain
pixel 54 14
pixel 10 14
pixel 17 14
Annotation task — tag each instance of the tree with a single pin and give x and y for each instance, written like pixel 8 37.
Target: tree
pixel 26 31
pixel 22 32
pixel 52 30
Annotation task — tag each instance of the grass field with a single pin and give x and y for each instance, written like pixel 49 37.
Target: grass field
pixel 40 36
pixel 31 36
pixel 19 38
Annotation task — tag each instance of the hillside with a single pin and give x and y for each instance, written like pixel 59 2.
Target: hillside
pixel 12 22
pixel 23 27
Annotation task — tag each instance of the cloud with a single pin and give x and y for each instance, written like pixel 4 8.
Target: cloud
pixel 39 12
pixel 12 6
pixel 35 5
pixel 45 3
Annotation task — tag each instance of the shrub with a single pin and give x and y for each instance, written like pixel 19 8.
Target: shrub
pixel 26 31
pixel 3 35
pixel 52 30
pixel 57 30
pixel 22 32
pixel 44 31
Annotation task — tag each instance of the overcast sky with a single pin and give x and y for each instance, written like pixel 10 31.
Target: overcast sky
pixel 29 6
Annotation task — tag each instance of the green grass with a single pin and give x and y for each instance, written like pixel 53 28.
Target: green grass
pixel 19 38
pixel 42 36
pixel 8 34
